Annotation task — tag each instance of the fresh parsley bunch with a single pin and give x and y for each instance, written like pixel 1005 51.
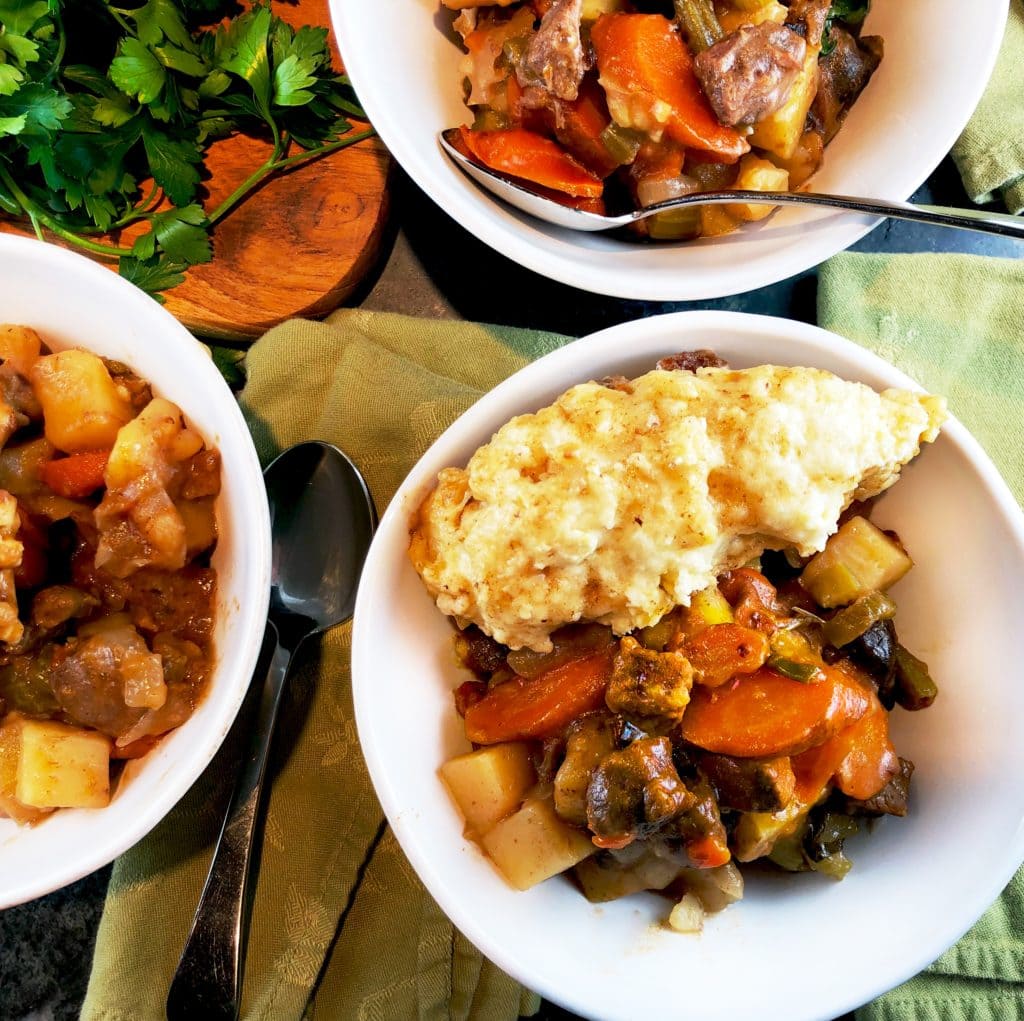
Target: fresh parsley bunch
pixel 97 100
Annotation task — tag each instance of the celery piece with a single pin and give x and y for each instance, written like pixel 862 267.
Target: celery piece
pixel 622 143
pixel 857 560
pixel 915 688
pixel 852 621
pixel 674 224
pixel 805 673
pixel 699 23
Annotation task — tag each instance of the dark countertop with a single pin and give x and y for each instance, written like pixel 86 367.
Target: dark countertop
pixel 431 268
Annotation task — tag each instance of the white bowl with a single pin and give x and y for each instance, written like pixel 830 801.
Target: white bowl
pixel 795 947
pixel 72 302
pixel 406 72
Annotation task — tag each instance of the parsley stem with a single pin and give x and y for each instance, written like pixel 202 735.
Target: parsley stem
pixel 281 162
pixel 39 216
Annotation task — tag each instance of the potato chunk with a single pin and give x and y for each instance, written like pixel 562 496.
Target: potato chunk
pixel 82 407
pixel 780 132
pixel 10 753
pixel 19 346
pixel 62 766
pixel 534 844
pixel 489 784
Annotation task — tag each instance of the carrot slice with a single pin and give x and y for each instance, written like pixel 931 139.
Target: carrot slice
pixel 860 758
pixel 645 65
pixel 532 157
pixel 76 476
pixel 722 651
pixel 765 714
pixel 541 707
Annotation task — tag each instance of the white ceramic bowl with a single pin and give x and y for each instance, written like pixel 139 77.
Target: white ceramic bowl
pixel 72 302
pixel 795 947
pixel 406 71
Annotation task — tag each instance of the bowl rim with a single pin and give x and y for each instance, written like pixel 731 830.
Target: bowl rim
pixel 475 422
pixel 256 550
pixel 499 226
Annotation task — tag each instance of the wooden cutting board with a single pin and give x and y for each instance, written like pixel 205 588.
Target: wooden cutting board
pixel 299 245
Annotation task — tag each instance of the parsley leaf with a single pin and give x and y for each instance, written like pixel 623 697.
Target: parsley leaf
pixel 137 72
pixel 89 149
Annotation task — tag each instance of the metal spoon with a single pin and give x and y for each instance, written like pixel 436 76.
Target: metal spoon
pixel 577 219
pixel 322 520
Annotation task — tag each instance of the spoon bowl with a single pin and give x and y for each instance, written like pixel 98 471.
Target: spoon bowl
pixel 322 520
pixel 517 194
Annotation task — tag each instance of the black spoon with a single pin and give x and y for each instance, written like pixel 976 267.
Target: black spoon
pixel 322 521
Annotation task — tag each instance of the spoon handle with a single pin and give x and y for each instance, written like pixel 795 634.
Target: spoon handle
pixel 944 216
pixel 208 981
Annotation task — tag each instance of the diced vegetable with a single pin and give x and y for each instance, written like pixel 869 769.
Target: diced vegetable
pixel 853 620
pixel 62 766
pixel 805 160
pixel 757 174
pixel 76 476
pixel 82 407
pixel 716 888
pixel 567 644
pixel 19 346
pixel 538 708
pixel 534 844
pixel 10 753
pixel 489 784
pixel 699 23
pixel 532 157
pixel 859 758
pixel 604 878
pixel 688 915
pixel 757 833
pixel 716 220
pixel 593 9
pixel 722 651
pixel 739 15
pixel 860 558
pixel 765 714
pixel 707 608
pixel 915 688
pixel 648 78
pixel 793 656
pixel 780 132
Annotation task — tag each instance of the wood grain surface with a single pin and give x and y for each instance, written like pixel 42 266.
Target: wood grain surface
pixel 298 246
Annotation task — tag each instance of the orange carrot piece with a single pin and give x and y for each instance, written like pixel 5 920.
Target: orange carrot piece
pixel 860 758
pixel 76 476
pixel 578 126
pixel 644 57
pixel 523 709
pixel 765 714
pixel 708 852
pixel 532 157
pixel 722 651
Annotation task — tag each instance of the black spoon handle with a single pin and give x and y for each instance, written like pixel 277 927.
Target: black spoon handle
pixel 208 981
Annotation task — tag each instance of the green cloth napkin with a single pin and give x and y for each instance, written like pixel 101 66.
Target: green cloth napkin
pixel 953 322
pixel 990 152
pixel 381 387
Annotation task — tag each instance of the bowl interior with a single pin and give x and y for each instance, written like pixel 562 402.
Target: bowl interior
pixel 899 130
pixel 805 946
pixel 72 302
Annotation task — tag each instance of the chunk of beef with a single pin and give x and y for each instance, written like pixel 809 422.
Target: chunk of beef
pixel 634 792
pixel 701 829
pixel 555 60
pixel 749 74
pixel 691 361
pixel 844 74
pixel 891 799
pixel 479 652
pixel 589 740
pixel 808 17
pixel 750 785
pixel 649 688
